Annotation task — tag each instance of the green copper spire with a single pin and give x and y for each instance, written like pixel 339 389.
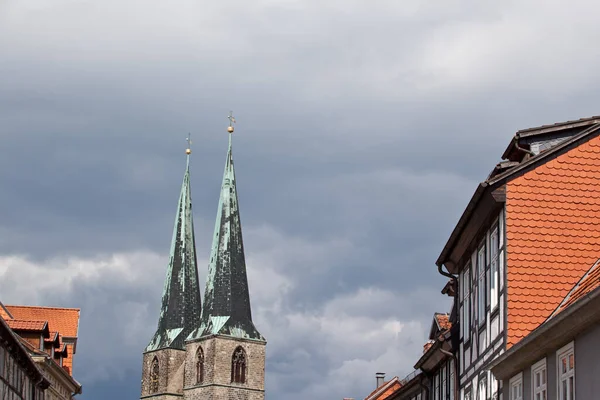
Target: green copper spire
pixel 181 305
pixel 226 309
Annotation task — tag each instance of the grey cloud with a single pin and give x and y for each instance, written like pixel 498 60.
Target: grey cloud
pixel 363 129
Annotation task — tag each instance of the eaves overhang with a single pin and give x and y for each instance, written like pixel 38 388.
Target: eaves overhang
pixel 481 206
pixel 545 129
pixel 464 218
pixel 549 336
pixel 433 356
pixel 533 162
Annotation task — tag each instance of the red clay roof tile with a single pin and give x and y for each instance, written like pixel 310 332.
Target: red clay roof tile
pixel 20 325
pixel 553 232
pixel 63 320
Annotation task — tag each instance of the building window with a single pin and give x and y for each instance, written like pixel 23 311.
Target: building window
pixel 473 293
pixel 238 366
pixel 466 308
pixel 154 374
pixel 481 285
pixel 436 387
pixel 516 387
pixel 493 388
pixel 494 268
pixel 538 380
pixel 482 389
pixel 566 373
pixel 200 365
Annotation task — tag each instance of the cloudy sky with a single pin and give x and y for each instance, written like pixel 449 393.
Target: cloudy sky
pixel 363 129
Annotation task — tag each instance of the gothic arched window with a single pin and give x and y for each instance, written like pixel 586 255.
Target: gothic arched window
pixel 200 365
pixel 154 374
pixel 238 366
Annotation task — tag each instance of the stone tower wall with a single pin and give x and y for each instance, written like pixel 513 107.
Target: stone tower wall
pixel 217 385
pixel 171 364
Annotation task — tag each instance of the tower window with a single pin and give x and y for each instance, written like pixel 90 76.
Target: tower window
pixel 154 374
pixel 238 366
pixel 200 365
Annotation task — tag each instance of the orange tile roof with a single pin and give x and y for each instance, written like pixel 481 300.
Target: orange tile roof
pixel 53 336
pixel 553 234
pixel 386 390
pixel 63 320
pixel 20 325
pixel 588 283
pixel 3 313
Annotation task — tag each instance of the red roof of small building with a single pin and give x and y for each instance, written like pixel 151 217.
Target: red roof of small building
pixel 4 312
pixel 386 390
pixel 21 325
pixel 588 283
pixel 63 320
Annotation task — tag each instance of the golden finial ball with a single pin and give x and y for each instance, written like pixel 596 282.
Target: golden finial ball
pixel 230 129
pixel 188 151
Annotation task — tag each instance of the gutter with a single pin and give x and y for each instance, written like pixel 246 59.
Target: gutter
pixel 516 141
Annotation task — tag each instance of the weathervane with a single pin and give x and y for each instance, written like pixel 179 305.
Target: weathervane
pixel 188 139
pixel 231 122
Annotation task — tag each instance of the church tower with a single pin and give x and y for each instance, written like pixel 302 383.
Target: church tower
pixel 225 355
pixel 163 359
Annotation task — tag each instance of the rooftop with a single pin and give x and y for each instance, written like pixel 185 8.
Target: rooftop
pixel 63 320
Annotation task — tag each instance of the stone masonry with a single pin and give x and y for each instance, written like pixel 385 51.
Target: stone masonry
pixel 170 379
pixel 217 385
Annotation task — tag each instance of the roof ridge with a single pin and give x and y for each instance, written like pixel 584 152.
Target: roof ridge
pixel 45 307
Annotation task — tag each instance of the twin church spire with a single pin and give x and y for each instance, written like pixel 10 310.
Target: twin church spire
pixel 226 310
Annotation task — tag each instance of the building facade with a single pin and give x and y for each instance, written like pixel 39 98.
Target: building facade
pixel 526 237
pixel 522 270
pixel 39 330
pixel 211 349
pixel 20 378
pixel 559 359
pixel 437 362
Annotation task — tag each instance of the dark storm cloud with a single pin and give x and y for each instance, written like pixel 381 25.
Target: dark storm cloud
pixel 363 129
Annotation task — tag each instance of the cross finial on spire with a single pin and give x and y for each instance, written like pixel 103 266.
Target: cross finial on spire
pixel 188 139
pixel 231 122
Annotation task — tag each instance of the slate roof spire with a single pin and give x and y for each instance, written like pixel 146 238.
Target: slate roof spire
pixel 181 305
pixel 226 309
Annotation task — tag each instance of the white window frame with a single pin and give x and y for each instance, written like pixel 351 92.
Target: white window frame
pixel 482 389
pixel 494 267
pixel 493 387
pixel 516 381
pixel 542 388
pixel 466 325
pixel 481 286
pixel 565 351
